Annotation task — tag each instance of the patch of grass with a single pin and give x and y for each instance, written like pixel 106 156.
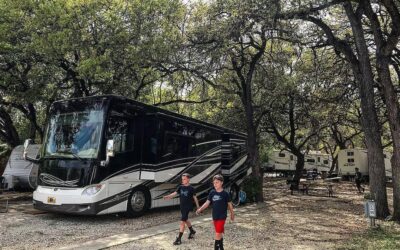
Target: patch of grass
pixel 386 236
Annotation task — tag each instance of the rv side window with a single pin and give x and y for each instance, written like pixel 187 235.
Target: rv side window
pixel 350 153
pixel 326 162
pixel 310 160
pixel 291 157
pixel 176 146
pixel 350 160
pixel 319 159
pixel 121 131
pixel 282 155
pixel 205 141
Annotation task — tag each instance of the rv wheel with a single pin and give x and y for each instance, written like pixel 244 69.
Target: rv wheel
pixel 138 202
pixel 234 193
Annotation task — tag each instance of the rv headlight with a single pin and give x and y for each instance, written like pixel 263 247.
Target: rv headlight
pixel 92 190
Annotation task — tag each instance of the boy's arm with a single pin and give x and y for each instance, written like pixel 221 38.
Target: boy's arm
pixel 170 195
pixel 196 201
pixel 205 205
pixel 230 207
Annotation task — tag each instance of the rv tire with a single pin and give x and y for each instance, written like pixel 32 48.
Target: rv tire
pixel 138 202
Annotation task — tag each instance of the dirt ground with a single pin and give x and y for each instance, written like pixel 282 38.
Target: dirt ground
pixel 284 221
pixel 297 221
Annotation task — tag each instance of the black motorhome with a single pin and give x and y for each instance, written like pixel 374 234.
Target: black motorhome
pixel 108 154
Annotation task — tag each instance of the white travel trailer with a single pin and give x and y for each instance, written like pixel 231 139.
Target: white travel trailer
pixel 349 159
pixel 314 159
pixel 284 161
pixel 19 173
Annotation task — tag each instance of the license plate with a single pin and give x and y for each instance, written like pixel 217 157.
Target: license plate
pixel 51 200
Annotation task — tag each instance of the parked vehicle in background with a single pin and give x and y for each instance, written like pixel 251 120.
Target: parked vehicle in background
pixel 21 174
pixel 349 159
pixel 285 162
pixel 110 154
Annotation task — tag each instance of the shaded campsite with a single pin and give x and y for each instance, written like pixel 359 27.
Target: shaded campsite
pixel 286 221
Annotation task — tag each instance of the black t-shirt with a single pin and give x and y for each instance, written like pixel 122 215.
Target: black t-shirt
pixel 219 202
pixel 186 194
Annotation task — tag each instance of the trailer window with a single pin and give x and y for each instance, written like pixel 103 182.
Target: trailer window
pixel 326 162
pixel 350 153
pixel 350 160
pixel 310 160
pixel 281 155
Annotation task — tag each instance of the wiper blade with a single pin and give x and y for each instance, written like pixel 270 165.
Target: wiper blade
pixel 71 153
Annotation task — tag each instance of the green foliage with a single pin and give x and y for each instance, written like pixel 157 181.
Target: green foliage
pixel 386 236
pixel 251 186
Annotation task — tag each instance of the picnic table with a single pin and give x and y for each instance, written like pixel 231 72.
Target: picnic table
pixel 307 186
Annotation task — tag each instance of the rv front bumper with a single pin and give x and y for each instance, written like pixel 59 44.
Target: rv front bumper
pixel 84 209
pixel 67 200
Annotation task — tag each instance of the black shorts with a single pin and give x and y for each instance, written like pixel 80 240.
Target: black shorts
pixel 185 214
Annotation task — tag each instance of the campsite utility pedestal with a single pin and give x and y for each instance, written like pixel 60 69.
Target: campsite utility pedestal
pixel 370 212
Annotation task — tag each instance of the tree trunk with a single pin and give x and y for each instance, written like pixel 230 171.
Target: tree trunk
pixel 393 110
pixel 8 132
pixel 384 48
pixel 370 123
pixel 253 151
pixel 34 127
pixel 299 166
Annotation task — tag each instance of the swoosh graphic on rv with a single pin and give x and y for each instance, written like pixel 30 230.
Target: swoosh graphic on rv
pixel 52 180
pixel 201 158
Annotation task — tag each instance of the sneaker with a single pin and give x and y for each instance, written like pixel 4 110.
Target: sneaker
pixel 191 234
pixel 177 241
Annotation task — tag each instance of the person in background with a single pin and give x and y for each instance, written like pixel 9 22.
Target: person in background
pixel 186 194
pixel 221 202
pixel 358 180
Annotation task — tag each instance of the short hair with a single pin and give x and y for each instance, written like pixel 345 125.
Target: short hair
pixel 218 177
pixel 186 175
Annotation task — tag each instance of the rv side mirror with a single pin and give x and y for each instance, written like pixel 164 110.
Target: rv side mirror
pixel 26 145
pixel 109 152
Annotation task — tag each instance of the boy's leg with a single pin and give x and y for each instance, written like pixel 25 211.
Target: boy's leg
pixel 218 243
pixel 184 218
pixel 192 231
pixel 219 230
pixel 358 186
pixel 178 239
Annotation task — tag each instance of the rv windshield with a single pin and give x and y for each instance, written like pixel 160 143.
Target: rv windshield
pixel 75 134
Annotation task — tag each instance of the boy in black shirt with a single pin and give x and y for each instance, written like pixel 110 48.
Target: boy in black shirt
pixel 186 194
pixel 220 201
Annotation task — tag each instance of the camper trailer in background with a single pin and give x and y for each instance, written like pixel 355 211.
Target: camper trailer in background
pixel 282 161
pixel 285 162
pixel 349 159
pixel 314 159
pixel 19 173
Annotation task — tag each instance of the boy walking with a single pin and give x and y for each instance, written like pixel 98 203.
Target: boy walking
pixel 358 180
pixel 186 195
pixel 221 201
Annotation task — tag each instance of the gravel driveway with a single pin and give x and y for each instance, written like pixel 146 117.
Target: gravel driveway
pixel 21 228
